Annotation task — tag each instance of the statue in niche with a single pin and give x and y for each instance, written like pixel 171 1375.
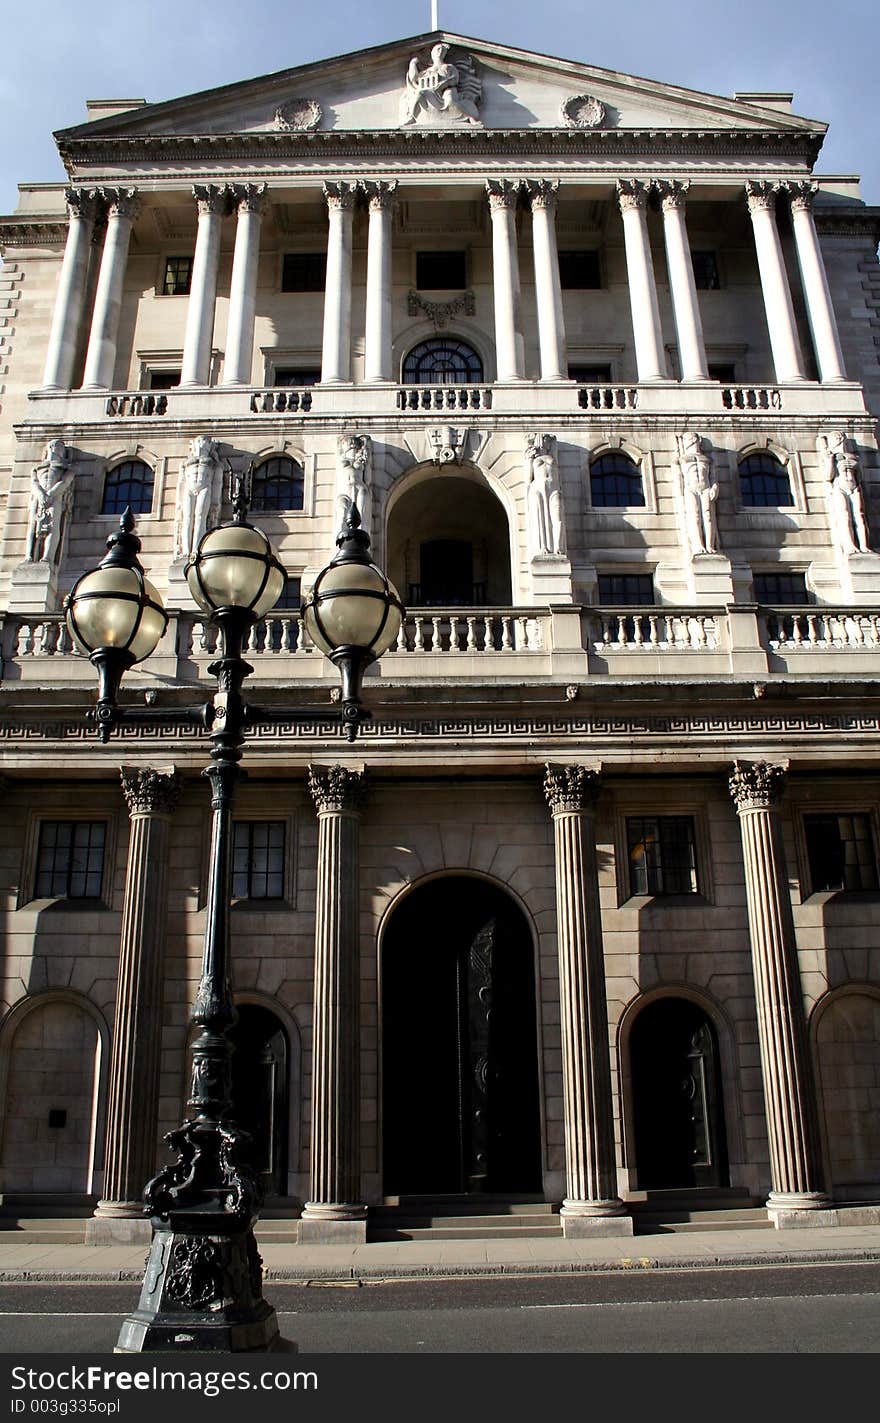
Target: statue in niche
pixel 199 495
pixel 699 491
pixel 49 503
pixel 442 91
pixel 546 531
pixel 354 471
pixel 846 500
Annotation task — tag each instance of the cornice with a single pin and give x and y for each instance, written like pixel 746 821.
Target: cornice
pixel 848 221
pixel 32 232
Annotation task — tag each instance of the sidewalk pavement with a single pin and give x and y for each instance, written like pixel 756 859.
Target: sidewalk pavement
pixel 418 1260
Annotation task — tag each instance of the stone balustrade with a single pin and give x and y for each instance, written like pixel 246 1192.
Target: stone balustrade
pixel 791 630
pixel 444 397
pixel 667 629
pixel 608 397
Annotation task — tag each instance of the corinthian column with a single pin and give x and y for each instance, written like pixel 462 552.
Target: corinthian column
pixel 503 195
pixel 130 1157
pixel 336 353
pixel 122 208
pixel 820 311
pixel 213 201
pixel 784 341
pixel 789 1094
pixel 64 335
pixel 632 197
pixel 592 1205
pixel 548 288
pixel 683 288
pixel 333 1211
pixel 377 335
pixel 237 366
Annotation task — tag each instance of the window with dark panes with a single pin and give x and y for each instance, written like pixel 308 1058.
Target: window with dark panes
pixel 296 375
pixel 662 855
pixel 706 276
pixel 441 271
pixel 163 380
pixel 764 482
pixel 580 271
pixel 128 486
pixel 840 849
pixel 615 482
pixel 291 595
pixel 722 371
pixel 590 375
pixel 442 361
pixel 621 590
pixel 70 859
pixel 178 276
pixel 277 484
pixel 304 272
pixel 258 859
pixel 781 589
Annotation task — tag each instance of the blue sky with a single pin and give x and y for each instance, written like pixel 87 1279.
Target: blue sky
pixel 60 52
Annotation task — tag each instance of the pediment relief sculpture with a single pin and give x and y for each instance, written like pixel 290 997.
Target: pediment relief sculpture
pixel 443 94
pixel 298 115
pixel 583 111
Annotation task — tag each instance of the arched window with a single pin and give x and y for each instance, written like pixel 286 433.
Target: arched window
pixel 128 486
pixel 615 481
pixel 443 360
pixel 277 484
pixel 764 482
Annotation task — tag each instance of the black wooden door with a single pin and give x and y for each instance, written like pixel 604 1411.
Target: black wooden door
pixel 260 1093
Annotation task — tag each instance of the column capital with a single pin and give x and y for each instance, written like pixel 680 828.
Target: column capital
pixel 672 193
pixel 760 196
pixel 81 202
pixel 249 197
pixel 211 197
pixel 337 788
pixel 800 195
pixel 380 195
pixel 120 202
pixel 542 192
pixel 503 193
pixel 570 788
pixel 756 785
pixel 632 194
pixel 340 195
pixel 149 791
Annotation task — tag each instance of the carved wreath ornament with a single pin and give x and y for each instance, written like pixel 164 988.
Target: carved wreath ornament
pixel 582 111
pixel 302 115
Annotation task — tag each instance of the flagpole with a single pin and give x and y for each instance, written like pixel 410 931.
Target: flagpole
pixel 435 23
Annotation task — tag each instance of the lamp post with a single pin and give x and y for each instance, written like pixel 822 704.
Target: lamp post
pixel 203 1283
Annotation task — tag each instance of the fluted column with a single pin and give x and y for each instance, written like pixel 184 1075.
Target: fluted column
pixel 789 1093
pixel 632 198
pixel 122 208
pixel 548 288
pixel 820 310
pixel 784 341
pixel 591 1202
pixel 333 1211
pixel 682 287
pixel 503 194
pixel 336 353
pixel 377 333
pixel 64 335
pixel 213 202
pixel 238 363
pixel 130 1156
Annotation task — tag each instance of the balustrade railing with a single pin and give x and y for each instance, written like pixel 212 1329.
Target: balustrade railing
pixel 444 397
pixel 751 397
pixel 461 630
pixel 820 629
pixel 608 397
pixel 296 400
pixel 655 630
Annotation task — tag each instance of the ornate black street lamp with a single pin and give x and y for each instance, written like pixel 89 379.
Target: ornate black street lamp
pixel 203 1283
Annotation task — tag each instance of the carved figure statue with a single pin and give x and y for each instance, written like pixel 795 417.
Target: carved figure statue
pixel 699 491
pixel 546 531
pixel 441 90
pixel 199 495
pixel 846 500
pixel 354 469
pixel 49 503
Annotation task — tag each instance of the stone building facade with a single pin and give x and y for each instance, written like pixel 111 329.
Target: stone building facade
pixel 588 914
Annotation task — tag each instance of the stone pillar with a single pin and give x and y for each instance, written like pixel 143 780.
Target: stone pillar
pixel 789 1094
pixel 336 353
pixel 682 287
pixel 238 364
pixel 377 333
pixel 64 335
pixel 592 1205
pixel 333 1212
pixel 784 343
pixel 548 289
pixel 632 197
pixel 213 202
pixel 130 1156
pixel 820 311
pixel 122 207
pixel 503 195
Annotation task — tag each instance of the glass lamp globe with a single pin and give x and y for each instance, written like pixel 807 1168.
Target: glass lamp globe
pixel 234 567
pixel 114 609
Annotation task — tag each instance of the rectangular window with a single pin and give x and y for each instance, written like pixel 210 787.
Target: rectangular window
pixel 178 276
pixel 621 590
pixel 841 852
pixel 70 859
pixel 662 855
pixel 258 859
pixel 163 380
pixel 441 271
pixel 304 272
pixel 723 371
pixel 580 271
pixel 291 596
pixel 781 589
pixel 706 271
pixel 296 375
pixel 590 375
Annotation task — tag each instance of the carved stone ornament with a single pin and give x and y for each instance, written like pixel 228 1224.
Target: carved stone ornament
pixel 381 195
pixel 49 504
pixel 341 194
pixel 568 789
pixel 300 115
pixel 756 785
pixel 337 788
pixel 672 194
pixel 82 202
pixel 582 111
pixel 447 445
pixel 698 492
pixel 249 197
pixel 632 194
pixel 801 195
pixel 761 196
pixel 150 792
pixel 544 515
pixel 440 313
pixel 120 202
pixel 443 94
pixel 211 197
pixel 503 193
pixel 541 192
pixel 846 500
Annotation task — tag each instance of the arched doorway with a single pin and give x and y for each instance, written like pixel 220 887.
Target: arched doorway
pixel 460 1064
pixel 678 1112
pixel 442 360
pixel 260 1088
pixel 449 542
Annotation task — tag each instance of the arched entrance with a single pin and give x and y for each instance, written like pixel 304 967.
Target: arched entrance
pixel 260 1086
pixel 676 1091
pixel 448 542
pixel 460 1062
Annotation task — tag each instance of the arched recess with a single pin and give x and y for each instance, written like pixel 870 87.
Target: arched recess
pixel 54 1055
pixel 727 1147
pixel 845 1028
pixel 460 1071
pixel 449 539
pixel 465 331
